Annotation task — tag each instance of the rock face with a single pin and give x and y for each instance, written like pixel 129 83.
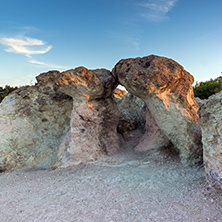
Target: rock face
pixel 131 116
pixel 94 118
pixel 211 124
pixel 119 93
pixel 166 88
pixel 33 122
pixel 153 137
pixel 137 123
pixel 199 101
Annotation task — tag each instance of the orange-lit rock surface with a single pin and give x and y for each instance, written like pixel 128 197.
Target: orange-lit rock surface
pixel 166 88
pixel 119 93
pixel 94 118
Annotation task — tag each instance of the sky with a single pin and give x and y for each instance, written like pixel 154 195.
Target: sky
pixel 38 36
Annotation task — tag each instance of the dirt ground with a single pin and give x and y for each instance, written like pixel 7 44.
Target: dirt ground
pixel 127 187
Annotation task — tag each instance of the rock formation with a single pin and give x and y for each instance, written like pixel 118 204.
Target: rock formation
pixel 166 88
pixel 72 117
pixel 211 124
pixel 33 122
pixel 94 118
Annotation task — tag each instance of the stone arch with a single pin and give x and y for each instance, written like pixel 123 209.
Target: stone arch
pixel 166 88
pixel 163 84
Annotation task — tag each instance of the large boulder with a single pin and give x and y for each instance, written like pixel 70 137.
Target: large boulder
pixel 33 120
pixel 94 118
pixel 211 124
pixel 166 88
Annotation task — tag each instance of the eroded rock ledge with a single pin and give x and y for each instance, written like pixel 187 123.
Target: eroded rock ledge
pixel 73 117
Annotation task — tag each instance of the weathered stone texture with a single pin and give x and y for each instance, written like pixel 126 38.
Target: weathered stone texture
pixel 94 119
pixel 119 93
pixel 73 117
pixel 153 137
pixel 211 124
pixel 166 88
pixel 131 115
pixel 32 126
pixel 135 116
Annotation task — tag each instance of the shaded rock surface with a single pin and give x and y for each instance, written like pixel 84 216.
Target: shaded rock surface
pixel 137 123
pixel 131 116
pixel 94 118
pixel 200 102
pixel 33 121
pixel 153 137
pixel 166 88
pixel 211 124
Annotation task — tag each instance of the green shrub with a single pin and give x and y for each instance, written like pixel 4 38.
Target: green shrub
pixel 205 89
pixel 5 91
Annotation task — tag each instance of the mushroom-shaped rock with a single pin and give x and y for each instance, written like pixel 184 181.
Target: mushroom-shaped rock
pixel 166 88
pixel 94 119
pixel 34 120
pixel 211 124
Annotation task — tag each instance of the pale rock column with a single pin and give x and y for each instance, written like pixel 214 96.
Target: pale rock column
pixel 211 124
pixel 94 118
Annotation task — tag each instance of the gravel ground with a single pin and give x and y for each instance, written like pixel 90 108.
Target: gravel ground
pixel 127 187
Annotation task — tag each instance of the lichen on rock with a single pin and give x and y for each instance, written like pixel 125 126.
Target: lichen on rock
pixel 33 121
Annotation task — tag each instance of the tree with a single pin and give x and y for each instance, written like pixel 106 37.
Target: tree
pixel 205 89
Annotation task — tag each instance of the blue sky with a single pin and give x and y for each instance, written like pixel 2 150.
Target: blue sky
pixel 37 36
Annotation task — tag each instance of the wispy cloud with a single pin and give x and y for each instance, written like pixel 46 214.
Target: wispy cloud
pixel 136 45
pixel 156 10
pixel 29 47
pixel 47 65
pixel 25 46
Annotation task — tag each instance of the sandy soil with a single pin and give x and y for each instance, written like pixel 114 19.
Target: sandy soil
pixel 127 187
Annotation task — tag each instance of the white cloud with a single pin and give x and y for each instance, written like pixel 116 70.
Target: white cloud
pixel 156 10
pixel 47 65
pixel 29 47
pixel 26 46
